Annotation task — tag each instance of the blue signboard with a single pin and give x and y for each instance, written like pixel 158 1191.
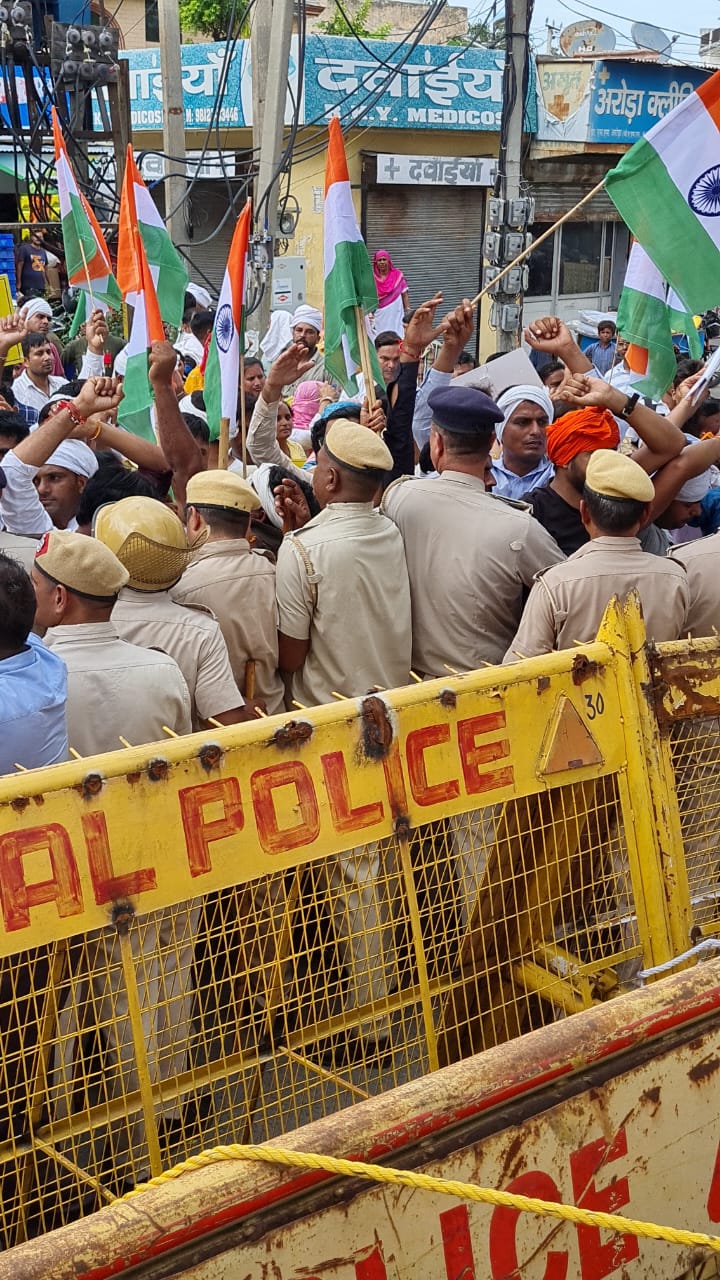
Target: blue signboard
pixel 437 87
pixel 627 99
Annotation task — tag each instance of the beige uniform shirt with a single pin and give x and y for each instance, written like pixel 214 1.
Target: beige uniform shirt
pixel 469 557
pixel 238 586
pixel 193 639
pixel 115 689
pixel 351 599
pixel 701 560
pixel 568 601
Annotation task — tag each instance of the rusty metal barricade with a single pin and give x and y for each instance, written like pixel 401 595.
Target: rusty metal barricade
pixel 222 937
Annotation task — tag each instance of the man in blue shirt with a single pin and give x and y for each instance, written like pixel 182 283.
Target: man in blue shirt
pixel 33 680
pixel 523 462
pixel 602 352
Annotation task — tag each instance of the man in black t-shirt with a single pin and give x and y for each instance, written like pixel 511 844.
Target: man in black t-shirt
pixel 31 262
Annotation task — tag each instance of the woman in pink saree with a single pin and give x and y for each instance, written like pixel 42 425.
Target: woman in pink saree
pixel 393 298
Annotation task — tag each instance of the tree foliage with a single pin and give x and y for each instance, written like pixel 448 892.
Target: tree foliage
pixel 213 18
pixel 355 24
pixel 482 33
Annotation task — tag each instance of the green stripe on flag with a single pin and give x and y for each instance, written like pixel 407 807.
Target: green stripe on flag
pixel 644 320
pixel 350 283
pixel 212 391
pixel 172 279
pixel 659 217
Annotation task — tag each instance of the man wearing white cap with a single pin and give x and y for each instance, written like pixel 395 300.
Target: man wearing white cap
pixel 36 316
pixel 523 463
pixel 306 329
pixel 200 294
pixel 46 473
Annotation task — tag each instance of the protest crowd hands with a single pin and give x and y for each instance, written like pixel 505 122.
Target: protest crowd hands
pixel 290 365
pixel 373 418
pixel 291 505
pixel 96 331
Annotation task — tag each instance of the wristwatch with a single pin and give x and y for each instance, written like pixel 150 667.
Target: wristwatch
pixel 630 404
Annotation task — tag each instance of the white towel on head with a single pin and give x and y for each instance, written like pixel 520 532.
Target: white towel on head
pixel 510 399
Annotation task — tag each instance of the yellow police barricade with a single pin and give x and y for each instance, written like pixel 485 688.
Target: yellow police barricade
pixel 175 973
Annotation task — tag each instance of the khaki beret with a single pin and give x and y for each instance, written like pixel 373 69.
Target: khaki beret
pixel 616 476
pixel 81 564
pixel 221 489
pixel 356 447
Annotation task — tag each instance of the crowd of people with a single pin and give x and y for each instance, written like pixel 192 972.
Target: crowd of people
pixel 345 542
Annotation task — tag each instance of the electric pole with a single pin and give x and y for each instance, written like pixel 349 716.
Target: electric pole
pixel 513 113
pixel 173 118
pixel 271 34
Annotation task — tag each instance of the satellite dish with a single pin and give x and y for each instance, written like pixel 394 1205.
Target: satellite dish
pixel 587 37
pixel 646 36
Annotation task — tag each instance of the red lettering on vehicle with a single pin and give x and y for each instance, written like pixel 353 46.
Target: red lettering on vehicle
pixel 597 1259
pixel 417 744
pixel 457 1245
pixel 63 887
pixel 713 1204
pixel 199 833
pixel 372 1267
pixel 344 817
pixel 472 755
pixel 108 887
pixel 503 1228
pixel 263 783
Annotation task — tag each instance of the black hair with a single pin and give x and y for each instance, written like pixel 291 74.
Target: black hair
pixel 552 366
pixel 686 367
pixel 387 339
pixel 466 357
pixel 188 312
pixel 320 425
pixel 17 603
pixel 197 427
pixel 253 360
pixel 111 482
pixel 425 462
pixel 694 425
pixel 34 340
pixel 276 475
pixel 13 425
pixel 613 515
pixel 197 400
pixel 189 303
pixel 223 519
pixel 202 322
pixel 463 444
pixel 67 391
pixel 495 355
pixel 607 324
pixel 8 394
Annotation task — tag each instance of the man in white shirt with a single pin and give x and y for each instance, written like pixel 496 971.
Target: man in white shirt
pixel 37 383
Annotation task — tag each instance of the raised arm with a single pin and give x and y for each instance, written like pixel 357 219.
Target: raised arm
pixel 551 334
pixel 661 439
pixel 177 443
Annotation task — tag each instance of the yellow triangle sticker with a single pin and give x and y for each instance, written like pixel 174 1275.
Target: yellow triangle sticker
pixel 568 743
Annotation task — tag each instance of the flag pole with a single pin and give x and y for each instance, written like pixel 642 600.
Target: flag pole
pixel 364 350
pixel 224 443
pixel 243 417
pixel 93 305
pixel 526 252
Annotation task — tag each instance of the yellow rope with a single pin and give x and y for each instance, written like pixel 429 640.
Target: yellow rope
pixel 441 1186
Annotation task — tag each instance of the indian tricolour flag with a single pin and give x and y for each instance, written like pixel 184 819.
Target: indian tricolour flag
pixel 222 368
pixel 648 315
pixel 86 254
pixel 349 279
pixel 667 189
pixel 164 261
pixel 135 280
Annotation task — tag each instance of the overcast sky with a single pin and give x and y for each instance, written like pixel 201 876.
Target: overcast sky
pixel 684 19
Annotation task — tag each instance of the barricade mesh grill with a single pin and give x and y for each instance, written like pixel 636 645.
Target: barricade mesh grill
pixel 250 1011
pixel 695 754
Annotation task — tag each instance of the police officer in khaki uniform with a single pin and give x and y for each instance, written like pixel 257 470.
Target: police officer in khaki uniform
pixel 701 560
pixel 234 582
pixel 117 688
pixel 114 688
pixel 567 602
pixel 344 617
pixel 469 555
pixel 150 541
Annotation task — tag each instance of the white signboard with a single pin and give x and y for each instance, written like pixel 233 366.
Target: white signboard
pixel 437 171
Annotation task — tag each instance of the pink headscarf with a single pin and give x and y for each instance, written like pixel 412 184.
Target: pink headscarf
pixel 389 287
pixel 306 403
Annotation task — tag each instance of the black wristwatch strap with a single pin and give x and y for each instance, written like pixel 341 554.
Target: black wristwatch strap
pixel 630 404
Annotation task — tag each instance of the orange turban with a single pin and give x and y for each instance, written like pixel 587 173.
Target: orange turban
pixel 581 431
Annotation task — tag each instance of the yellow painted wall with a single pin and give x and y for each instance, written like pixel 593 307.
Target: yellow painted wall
pixel 308 183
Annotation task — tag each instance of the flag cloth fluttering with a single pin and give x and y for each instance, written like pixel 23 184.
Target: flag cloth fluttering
pixel 86 254
pixel 667 190
pixel 166 265
pixel 222 366
pixel 135 280
pixel 648 314
pixel 349 279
